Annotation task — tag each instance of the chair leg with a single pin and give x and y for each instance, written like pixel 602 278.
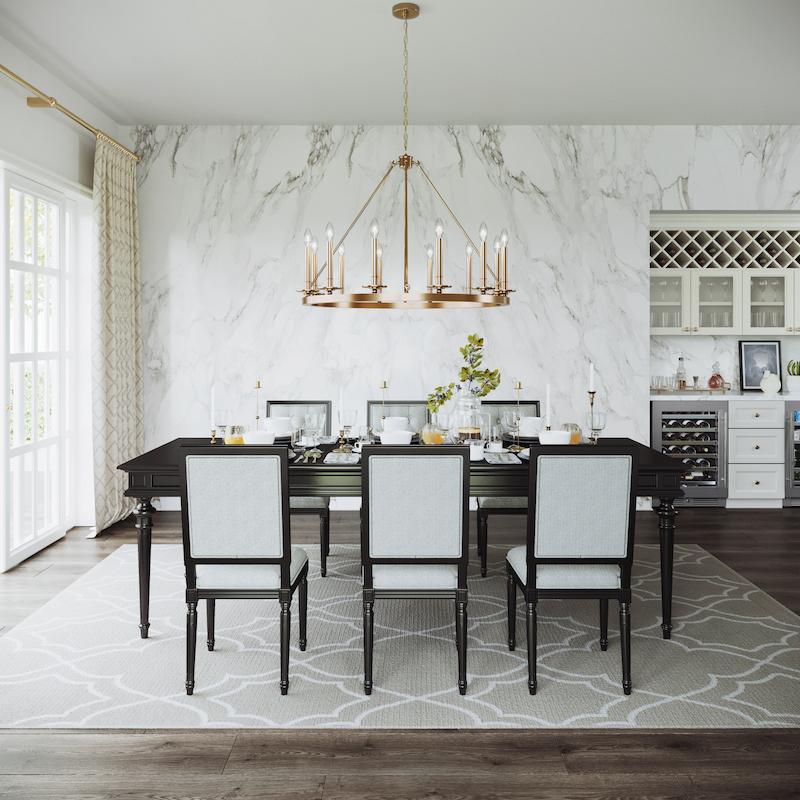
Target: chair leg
pixel 604 624
pixel 286 622
pixel 483 529
pixel 530 619
pixel 303 610
pixel 461 634
pixel 324 541
pixel 511 592
pixel 191 642
pixel 210 613
pixel 479 525
pixel 369 620
pixel 625 637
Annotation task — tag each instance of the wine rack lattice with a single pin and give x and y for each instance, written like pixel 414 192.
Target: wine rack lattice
pixel 727 249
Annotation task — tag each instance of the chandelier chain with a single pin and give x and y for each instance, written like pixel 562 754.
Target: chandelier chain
pixel 405 82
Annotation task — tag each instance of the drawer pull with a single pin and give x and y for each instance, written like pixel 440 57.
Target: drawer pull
pixel 756 483
pixel 756 447
pixel 756 414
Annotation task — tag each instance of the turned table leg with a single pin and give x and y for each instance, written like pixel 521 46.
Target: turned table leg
pixel 144 525
pixel 666 532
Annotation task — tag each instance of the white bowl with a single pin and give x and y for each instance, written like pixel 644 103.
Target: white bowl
pixel 554 437
pixel 279 426
pixel 395 424
pixel 530 426
pixel 476 451
pixel 396 437
pixel 259 437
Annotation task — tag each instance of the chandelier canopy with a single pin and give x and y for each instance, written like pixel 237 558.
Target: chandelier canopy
pixel 486 287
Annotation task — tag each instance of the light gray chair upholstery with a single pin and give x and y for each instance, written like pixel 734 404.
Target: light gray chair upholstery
pixel 314 505
pixel 416 411
pixel 580 539
pixel 487 506
pixel 415 533
pixel 237 539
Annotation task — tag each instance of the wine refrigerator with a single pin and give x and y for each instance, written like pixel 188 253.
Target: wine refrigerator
pixel 696 434
pixel 792 494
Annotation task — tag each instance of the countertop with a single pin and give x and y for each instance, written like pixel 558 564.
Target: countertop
pixel 750 397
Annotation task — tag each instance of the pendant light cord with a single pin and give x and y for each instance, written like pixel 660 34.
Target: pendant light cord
pixel 405 81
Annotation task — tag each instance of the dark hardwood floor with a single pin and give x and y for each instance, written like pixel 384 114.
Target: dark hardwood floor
pixel 763 546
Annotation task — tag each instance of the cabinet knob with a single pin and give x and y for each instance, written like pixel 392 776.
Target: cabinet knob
pixel 695 328
pixel 756 447
pixel 756 483
pixel 685 328
pixel 756 414
pixel 788 328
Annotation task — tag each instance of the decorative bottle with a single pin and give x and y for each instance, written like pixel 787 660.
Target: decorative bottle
pixel 680 375
pixel 716 380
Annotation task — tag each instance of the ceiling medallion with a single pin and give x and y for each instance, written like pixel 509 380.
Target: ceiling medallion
pixel 487 287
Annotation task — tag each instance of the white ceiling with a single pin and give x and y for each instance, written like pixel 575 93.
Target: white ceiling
pixel 504 61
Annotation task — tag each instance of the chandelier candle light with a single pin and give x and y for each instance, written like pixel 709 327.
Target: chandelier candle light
pixel 493 290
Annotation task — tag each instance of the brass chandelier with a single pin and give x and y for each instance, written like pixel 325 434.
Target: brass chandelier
pixel 488 287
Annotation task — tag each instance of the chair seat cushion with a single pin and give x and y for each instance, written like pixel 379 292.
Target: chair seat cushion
pixel 415 576
pixel 503 502
pixel 309 502
pixel 248 576
pixel 565 576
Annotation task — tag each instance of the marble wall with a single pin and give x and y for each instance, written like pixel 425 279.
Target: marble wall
pixel 223 210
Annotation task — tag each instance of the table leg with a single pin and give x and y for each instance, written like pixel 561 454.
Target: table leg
pixel 666 532
pixel 144 525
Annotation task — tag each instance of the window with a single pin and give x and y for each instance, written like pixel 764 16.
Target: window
pixel 37 381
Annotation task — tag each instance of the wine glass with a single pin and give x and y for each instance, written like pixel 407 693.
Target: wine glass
pixel 596 422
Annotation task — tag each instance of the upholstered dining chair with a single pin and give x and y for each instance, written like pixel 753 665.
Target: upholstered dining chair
pixel 415 534
pixel 237 539
pixel 501 505
pixel 416 411
pixel 581 524
pixel 313 505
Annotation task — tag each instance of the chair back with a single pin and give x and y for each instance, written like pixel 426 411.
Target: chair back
pixel 582 504
pixel 415 410
pixel 415 505
pixel 235 507
pixel 297 409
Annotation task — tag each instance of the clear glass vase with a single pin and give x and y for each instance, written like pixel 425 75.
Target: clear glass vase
pixel 466 421
pixel 434 431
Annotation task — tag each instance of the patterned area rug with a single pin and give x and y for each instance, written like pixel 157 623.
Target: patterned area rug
pixel 733 661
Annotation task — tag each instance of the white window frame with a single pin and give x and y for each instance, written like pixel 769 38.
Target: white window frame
pixel 66 436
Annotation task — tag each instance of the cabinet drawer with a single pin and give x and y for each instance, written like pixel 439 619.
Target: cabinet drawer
pixel 756 415
pixel 755 446
pixel 752 481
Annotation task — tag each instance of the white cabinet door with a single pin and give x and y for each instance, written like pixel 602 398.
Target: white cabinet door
pixel 716 301
pixel 669 302
pixel 767 301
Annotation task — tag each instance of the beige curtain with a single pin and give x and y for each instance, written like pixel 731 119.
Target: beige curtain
pixel 118 431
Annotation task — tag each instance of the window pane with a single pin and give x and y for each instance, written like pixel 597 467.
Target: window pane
pixel 46 507
pixel 21 499
pixel 46 234
pixel 46 313
pixel 27 229
pixel 20 308
pixel 14 225
pixel 20 398
pixel 46 398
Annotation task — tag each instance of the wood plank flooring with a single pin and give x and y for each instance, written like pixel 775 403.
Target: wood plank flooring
pixel 764 546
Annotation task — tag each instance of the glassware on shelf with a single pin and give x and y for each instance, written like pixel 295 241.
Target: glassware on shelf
pixel 435 430
pixel 575 435
pixel 596 423
pixel 312 429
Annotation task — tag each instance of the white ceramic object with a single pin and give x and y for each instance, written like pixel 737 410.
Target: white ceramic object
pixel 495 447
pixel 259 437
pixel 770 383
pixel 793 384
pixel 476 451
pixel 530 426
pixel 278 426
pixel 554 437
pixel 395 424
pixel 396 437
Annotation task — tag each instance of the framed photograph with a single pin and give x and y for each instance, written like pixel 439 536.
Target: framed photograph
pixel 754 359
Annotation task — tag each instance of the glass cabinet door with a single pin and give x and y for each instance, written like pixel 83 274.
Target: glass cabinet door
pixel 669 301
pixel 768 301
pixel 716 301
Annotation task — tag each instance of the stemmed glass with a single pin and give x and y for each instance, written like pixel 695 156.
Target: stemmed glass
pixel 596 422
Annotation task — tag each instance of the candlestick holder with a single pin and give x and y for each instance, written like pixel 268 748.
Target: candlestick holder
pixel 517 447
pixel 592 430
pixel 213 436
pixel 383 387
pixel 258 403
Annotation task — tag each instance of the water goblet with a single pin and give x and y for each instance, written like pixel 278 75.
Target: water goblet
pixel 596 422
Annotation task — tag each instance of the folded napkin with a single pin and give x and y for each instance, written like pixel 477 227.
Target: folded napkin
pixel 342 458
pixel 501 458
pixel 526 453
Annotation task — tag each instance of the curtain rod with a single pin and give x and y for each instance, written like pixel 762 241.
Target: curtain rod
pixel 41 100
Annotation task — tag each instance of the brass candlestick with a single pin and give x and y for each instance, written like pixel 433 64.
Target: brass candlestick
pixel 383 387
pixel 517 448
pixel 258 402
pixel 592 437
pixel 213 436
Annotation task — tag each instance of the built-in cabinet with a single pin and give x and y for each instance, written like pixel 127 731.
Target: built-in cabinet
pixel 718 274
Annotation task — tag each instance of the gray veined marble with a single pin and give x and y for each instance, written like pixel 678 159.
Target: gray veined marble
pixel 223 210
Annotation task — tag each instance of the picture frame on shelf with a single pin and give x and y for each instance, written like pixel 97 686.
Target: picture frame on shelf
pixel 756 356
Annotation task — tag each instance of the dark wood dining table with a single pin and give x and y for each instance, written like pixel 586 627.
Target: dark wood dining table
pixel 155 474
